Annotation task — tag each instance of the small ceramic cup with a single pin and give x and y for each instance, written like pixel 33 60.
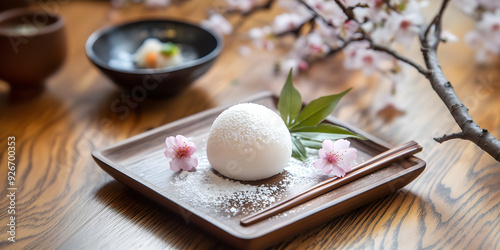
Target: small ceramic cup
pixel 32 47
pixel 12 4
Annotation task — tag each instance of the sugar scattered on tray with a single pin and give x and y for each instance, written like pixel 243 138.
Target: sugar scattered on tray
pixel 205 189
pixel 210 192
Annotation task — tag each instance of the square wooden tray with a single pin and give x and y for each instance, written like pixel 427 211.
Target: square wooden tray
pixel 139 163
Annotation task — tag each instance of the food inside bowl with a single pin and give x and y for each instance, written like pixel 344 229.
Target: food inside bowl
pixel 155 54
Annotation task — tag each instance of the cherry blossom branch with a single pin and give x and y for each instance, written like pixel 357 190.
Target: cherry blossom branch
pixel 471 131
pixel 315 14
pixel 247 14
pixel 295 32
pixel 266 6
pixel 429 39
pixel 400 57
pixel 437 24
pixel 348 11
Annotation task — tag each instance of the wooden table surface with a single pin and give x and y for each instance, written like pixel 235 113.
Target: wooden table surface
pixel 64 200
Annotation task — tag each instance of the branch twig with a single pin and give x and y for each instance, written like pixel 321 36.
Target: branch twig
pixel 400 57
pixel 437 23
pixel 446 137
pixel 315 14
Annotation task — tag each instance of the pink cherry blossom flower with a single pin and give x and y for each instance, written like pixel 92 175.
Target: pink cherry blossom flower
pixel 303 65
pixel 218 23
pixel 405 27
pixel 286 64
pixel 330 34
pixel 388 106
pixel 486 37
pixel 467 6
pixel 181 151
pixel 310 47
pixel 348 29
pixel 448 37
pixel 485 48
pixel 241 5
pixel 336 157
pixel 488 4
pixel 244 51
pixel 287 21
pixel 359 56
pixel 329 10
pixel 261 37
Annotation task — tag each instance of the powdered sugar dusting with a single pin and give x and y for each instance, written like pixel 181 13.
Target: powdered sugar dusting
pixel 240 123
pixel 211 192
pixel 249 142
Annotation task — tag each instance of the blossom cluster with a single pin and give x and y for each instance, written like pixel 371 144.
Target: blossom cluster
pixel 485 38
pixel 386 22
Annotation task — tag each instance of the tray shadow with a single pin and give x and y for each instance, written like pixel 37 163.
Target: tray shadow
pixel 343 230
pixel 165 224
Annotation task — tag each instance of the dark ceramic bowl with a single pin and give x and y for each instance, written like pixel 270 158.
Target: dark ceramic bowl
pixel 112 49
pixel 32 47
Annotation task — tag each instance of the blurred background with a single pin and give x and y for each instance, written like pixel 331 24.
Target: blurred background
pixel 73 107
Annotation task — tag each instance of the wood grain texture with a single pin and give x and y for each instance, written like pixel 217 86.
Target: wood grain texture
pixel 65 200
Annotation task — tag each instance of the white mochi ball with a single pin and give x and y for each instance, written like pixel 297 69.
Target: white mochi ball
pixel 249 142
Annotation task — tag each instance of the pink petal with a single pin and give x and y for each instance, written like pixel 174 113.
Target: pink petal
pixel 320 164
pixel 175 165
pixel 188 163
pixel 194 163
pixel 180 140
pixel 339 172
pixel 170 141
pixel 348 156
pixel 323 165
pixel 328 145
pixel 191 148
pixel 328 168
pixel 323 154
pixel 336 157
pixel 169 152
pixel 341 144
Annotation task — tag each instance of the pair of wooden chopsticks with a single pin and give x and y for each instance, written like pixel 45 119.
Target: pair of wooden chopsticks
pixel 377 162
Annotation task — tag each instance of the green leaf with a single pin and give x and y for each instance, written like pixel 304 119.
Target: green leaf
pixel 329 129
pixel 170 49
pixel 290 101
pixel 311 143
pixel 319 136
pixel 317 110
pixel 298 149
